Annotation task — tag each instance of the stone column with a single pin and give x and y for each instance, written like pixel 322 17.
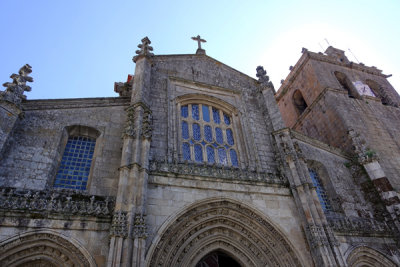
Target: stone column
pixel 320 238
pixel 129 231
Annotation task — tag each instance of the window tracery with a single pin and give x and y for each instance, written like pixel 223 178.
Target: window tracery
pixel 207 135
pixel 321 193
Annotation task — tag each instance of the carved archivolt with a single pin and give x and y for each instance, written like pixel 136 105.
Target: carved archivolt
pixel 226 226
pixel 364 256
pixel 47 247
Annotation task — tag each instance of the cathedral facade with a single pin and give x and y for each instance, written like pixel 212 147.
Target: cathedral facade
pixel 198 164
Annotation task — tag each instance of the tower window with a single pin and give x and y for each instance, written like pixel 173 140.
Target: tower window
pixel 322 196
pixel 346 84
pixel 207 135
pixel 299 102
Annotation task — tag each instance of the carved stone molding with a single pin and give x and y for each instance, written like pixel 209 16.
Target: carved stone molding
pixel 252 239
pixel 145 129
pixel 55 202
pixel 358 226
pixel 214 171
pixel 48 247
pixel 119 225
pixel 139 226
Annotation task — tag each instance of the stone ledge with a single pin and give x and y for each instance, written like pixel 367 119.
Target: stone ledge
pixel 44 204
pixel 187 169
pixel 75 103
pixel 356 226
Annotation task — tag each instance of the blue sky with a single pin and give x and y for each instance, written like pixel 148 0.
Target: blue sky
pixel 80 48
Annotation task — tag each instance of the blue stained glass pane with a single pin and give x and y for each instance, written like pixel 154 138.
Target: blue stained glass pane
pixel 229 137
pixel 196 132
pixel 234 159
pixel 78 149
pixel 186 151
pixel 191 142
pixel 219 136
pixel 222 156
pixel 185 130
pixel 210 155
pixel 216 115
pixel 215 145
pixel 203 143
pixel 198 153
pixel 322 196
pixel 195 112
pixel 208 133
pixel 206 113
pixel 184 111
pixel 227 119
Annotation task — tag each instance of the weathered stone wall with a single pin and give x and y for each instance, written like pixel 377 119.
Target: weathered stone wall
pixel 35 147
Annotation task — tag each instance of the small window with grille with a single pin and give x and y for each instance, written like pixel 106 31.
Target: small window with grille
pixel 207 135
pixel 322 196
pixel 74 169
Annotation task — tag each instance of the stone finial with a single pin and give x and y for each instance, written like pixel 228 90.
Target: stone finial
pixel 145 49
pixel 304 50
pixel 337 54
pixel 15 90
pixel 263 78
pixel 199 50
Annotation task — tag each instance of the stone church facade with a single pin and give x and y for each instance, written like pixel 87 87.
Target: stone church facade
pixel 197 164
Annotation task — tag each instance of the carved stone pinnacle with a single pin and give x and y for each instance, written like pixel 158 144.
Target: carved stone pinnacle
pixel 144 50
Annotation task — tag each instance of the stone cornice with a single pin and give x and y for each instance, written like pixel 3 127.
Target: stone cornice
pixel 75 103
pixel 324 58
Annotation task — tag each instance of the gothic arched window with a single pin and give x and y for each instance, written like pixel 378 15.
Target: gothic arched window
pixel 75 165
pixel 207 135
pixel 299 102
pixel 379 91
pixel 322 196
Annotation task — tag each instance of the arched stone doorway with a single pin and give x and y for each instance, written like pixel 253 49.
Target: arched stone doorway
pixel 44 249
pixel 223 226
pixel 368 257
pixel 217 259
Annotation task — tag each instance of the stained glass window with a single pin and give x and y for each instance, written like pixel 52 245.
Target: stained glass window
pixel 210 154
pixel 227 119
pixel 219 136
pixel 196 132
pixel 74 169
pixel 195 112
pixel 207 139
pixel 322 196
pixel 184 111
pixel 216 116
pixel 186 151
pixel 206 113
pixel 208 133
pixel 185 130
pixel 222 156
pixel 198 153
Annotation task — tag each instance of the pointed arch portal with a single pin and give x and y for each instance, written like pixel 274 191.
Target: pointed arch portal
pixel 227 229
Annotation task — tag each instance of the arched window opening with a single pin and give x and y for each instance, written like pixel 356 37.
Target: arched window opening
pixel 346 84
pixel 217 259
pixel 379 91
pixel 299 102
pixel 207 135
pixel 76 162
pixel 322 196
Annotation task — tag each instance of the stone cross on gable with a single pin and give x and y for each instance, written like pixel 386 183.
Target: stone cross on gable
pixel 145 49
pixel 199 41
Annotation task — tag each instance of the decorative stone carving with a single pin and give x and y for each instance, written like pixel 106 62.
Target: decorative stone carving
pixel 55 201
pixel 358 226
pixel 15 90
pixel 130 130
pixel 263 78
pixel 145 49
pixel 139 226
pixel 364 155
pixel 146 125
pixel 203 225
pixel 365 256
pixel 316 235
pixel 119 225
pixel 24 249
pixel 216 171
